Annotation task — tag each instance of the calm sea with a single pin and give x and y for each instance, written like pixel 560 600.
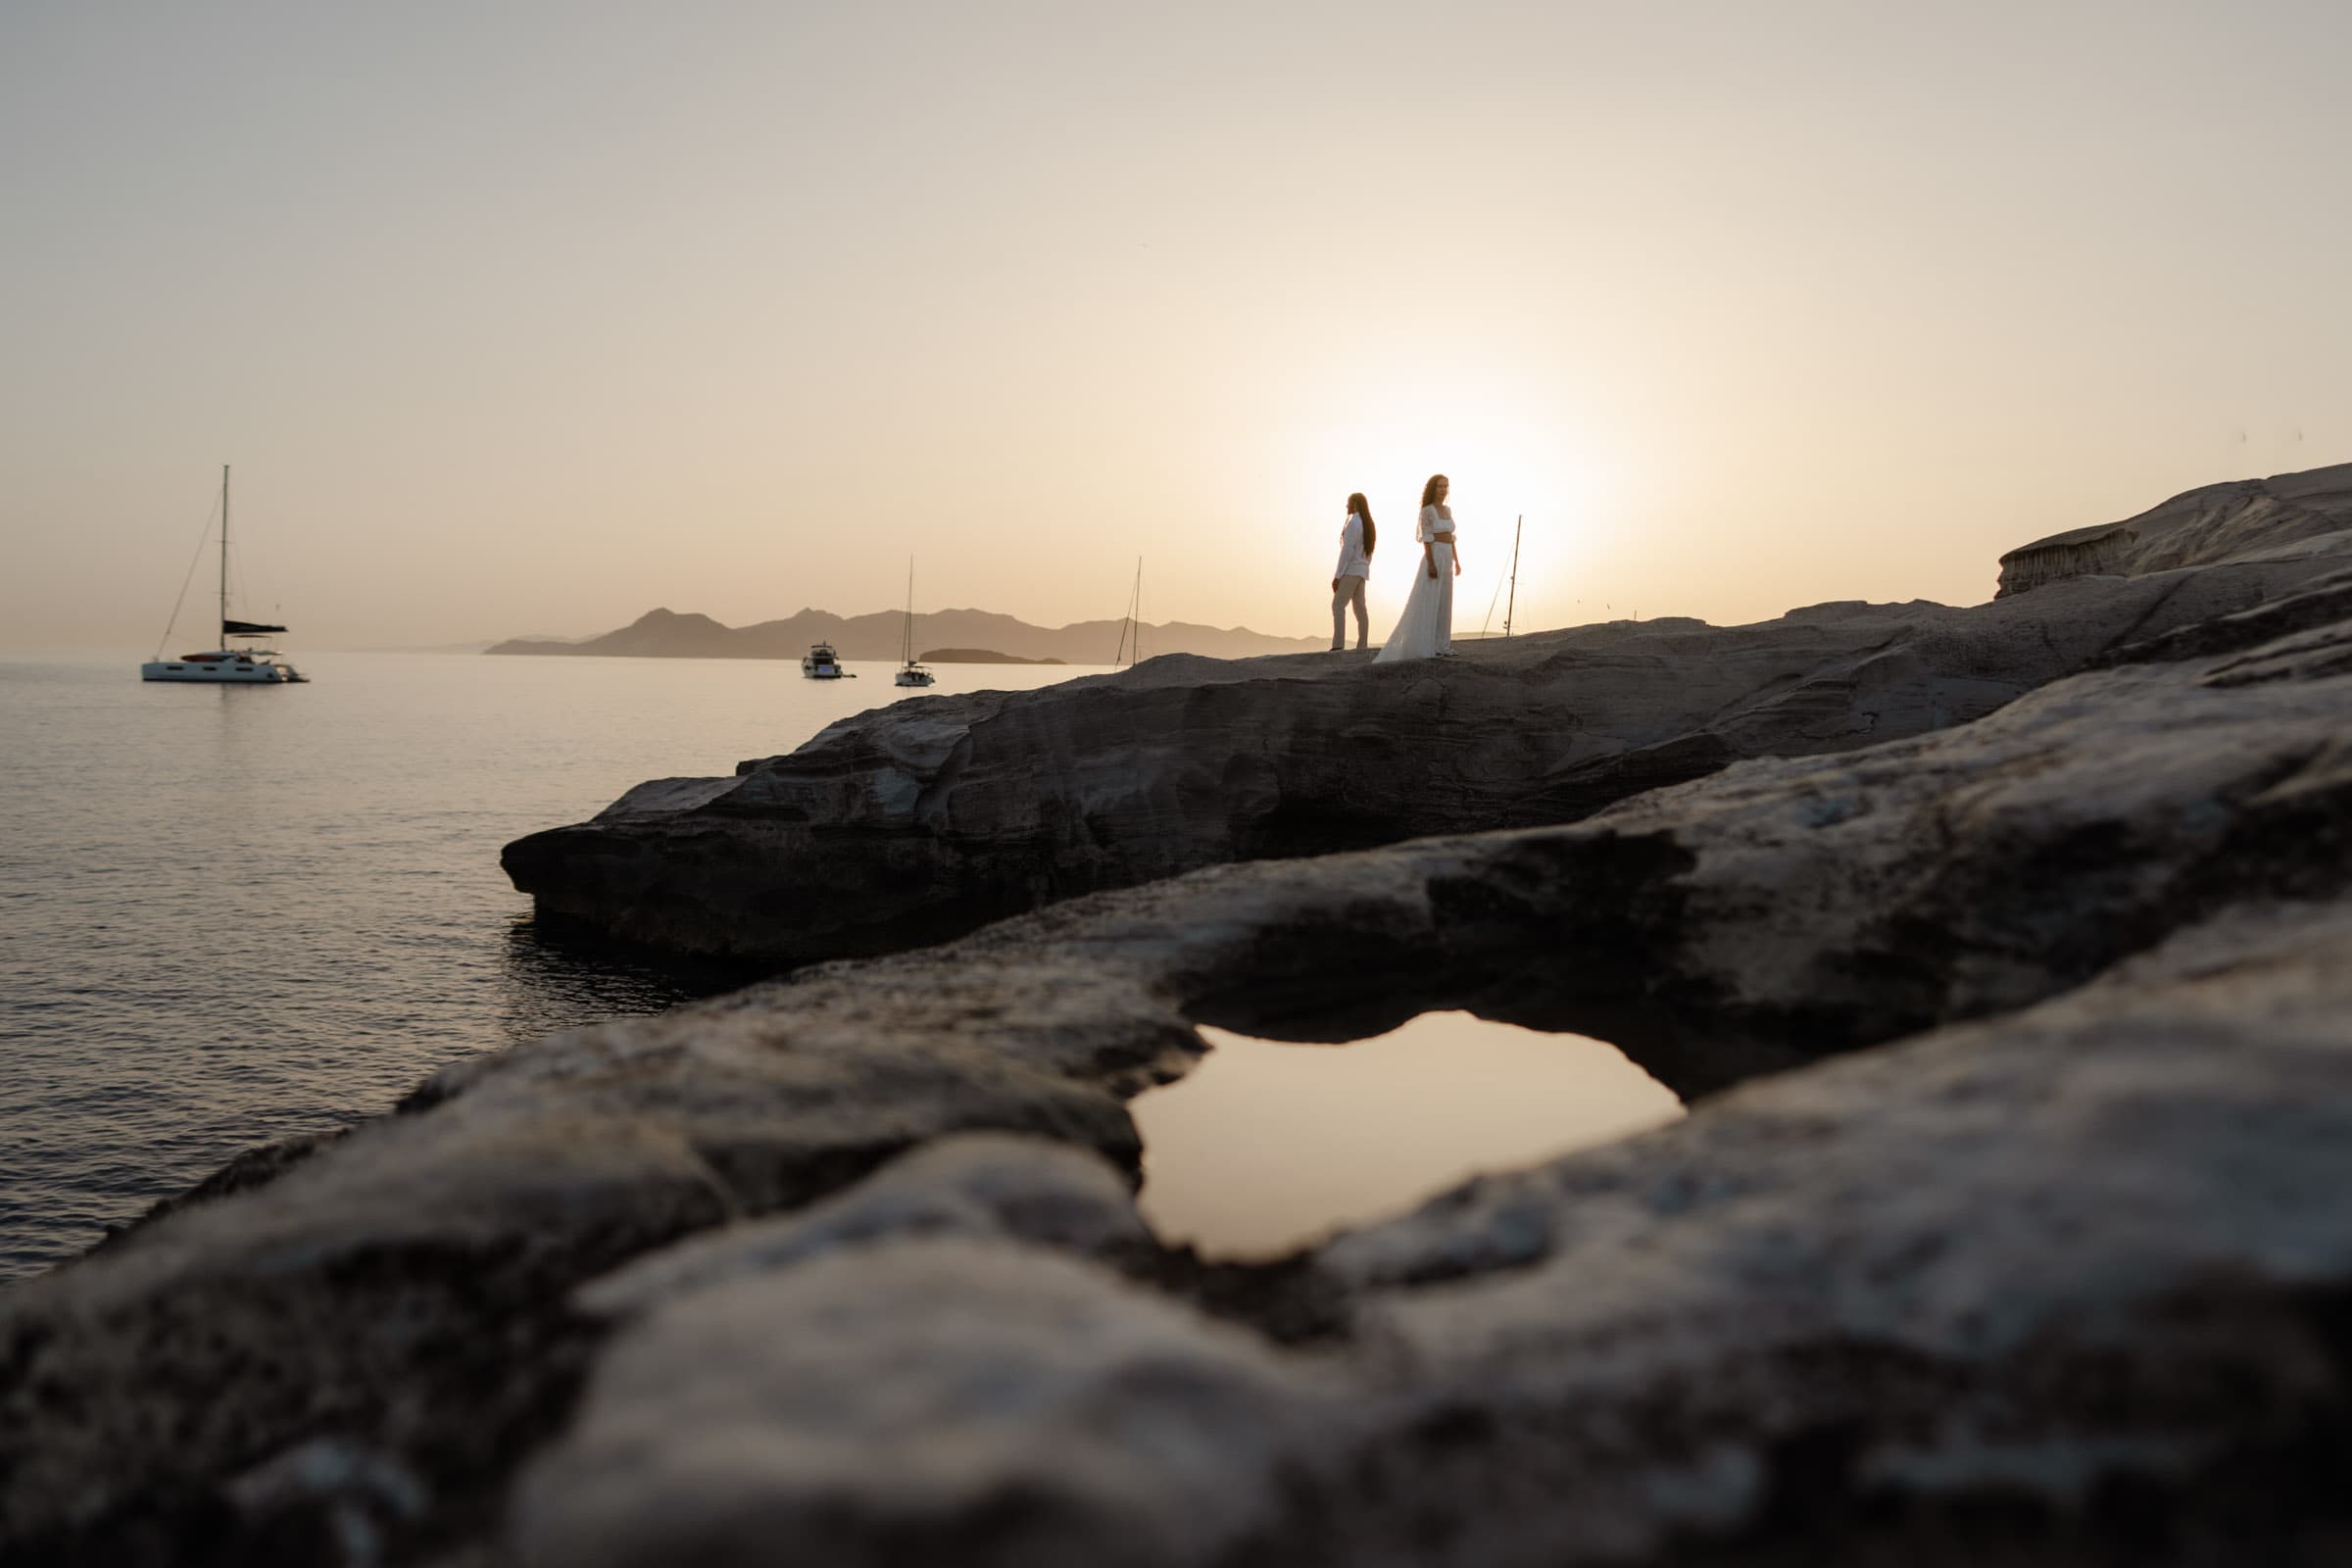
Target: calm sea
pixel 229 915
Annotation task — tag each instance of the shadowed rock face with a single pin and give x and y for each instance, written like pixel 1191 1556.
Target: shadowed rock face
pixel 945 812
pixel 2055 1268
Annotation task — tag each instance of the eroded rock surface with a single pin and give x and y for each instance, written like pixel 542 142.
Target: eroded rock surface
pixel 2000 1285
pixel 2285 516
pixel 931 1401
pixel 975 1186
pixel 2075 1279
pixel 2057 1269
pixel 944 812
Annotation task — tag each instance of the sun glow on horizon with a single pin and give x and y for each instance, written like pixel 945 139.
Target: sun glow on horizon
pixel 1507 461
pixel 1792 307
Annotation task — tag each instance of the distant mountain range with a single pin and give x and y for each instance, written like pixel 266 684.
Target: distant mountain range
pixel 667 634
pixel 979 656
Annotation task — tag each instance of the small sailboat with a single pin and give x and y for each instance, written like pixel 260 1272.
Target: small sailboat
pixel 821 662
pixel 1131 628
pixel 239 659
pixel 910 673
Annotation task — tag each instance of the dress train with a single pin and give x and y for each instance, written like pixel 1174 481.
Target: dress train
pixel 1426 628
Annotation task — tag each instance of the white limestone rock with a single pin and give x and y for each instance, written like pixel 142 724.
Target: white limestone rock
pixel 2081 1239
pixel 953 811
pixel 936 1400
pixel 984 1186
pixel 2288 517
pixel 2100 1245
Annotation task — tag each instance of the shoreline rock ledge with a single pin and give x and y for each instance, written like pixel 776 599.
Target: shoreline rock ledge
pixel 927 818
pixel 2012 1220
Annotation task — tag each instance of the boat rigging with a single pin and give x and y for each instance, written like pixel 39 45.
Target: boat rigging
pixel 910 673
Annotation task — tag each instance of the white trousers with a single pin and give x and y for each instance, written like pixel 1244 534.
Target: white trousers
pixel 1351 591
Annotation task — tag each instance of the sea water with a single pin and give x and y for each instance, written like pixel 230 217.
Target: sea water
pixel 234 915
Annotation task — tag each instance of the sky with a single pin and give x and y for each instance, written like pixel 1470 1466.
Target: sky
pixel 525 318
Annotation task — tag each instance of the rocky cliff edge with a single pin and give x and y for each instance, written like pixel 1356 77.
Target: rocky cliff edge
pixel 928 817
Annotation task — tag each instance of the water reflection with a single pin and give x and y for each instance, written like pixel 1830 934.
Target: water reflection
pixel 234 915
pixel 1266 1147
pixel 553 978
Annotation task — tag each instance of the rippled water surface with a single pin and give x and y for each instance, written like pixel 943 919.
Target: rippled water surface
pixel 229 915
pixel 1267 1146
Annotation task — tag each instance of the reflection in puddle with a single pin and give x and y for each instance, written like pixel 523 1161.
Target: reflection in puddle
pixel 1265 1147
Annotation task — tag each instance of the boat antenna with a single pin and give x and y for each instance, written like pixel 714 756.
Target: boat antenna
pixel 1508 608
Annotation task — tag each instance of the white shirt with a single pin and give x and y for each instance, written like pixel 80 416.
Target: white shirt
pixel 1431 525
pixel 1354 562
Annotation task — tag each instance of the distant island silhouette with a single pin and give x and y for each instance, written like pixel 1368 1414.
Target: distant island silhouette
pixel 981 655
pixel 966 636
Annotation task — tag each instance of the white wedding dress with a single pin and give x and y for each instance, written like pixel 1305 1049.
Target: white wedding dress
pixel 1426 628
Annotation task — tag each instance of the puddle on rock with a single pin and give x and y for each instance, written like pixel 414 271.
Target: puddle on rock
pixel 1266 1147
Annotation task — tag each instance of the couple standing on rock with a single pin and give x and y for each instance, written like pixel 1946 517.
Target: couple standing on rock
pixel 1426 628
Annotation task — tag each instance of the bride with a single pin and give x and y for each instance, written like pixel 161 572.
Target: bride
pixel 1426 628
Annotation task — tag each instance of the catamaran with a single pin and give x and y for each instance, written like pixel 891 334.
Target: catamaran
pixel 238 661
pixel 910 673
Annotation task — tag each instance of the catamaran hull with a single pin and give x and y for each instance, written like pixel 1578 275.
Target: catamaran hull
pixel 235 661
pixel 214 675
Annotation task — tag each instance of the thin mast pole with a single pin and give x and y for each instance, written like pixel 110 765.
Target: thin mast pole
pixel 907 632
pixel 1126 623
pixel 1131 625
pixel 1513 604
pixel 225 554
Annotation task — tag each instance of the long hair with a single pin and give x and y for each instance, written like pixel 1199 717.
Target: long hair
pixel 1363 509
pixel 1429 491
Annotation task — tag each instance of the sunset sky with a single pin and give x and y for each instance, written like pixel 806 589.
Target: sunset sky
pixel 525 318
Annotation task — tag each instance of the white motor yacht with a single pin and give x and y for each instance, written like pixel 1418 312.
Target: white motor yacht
pixel 821 662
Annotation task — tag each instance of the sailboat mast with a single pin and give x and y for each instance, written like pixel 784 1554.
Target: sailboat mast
pixel 1513 604
pixel 907 633
pixel 225 554
pixel 1131 625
